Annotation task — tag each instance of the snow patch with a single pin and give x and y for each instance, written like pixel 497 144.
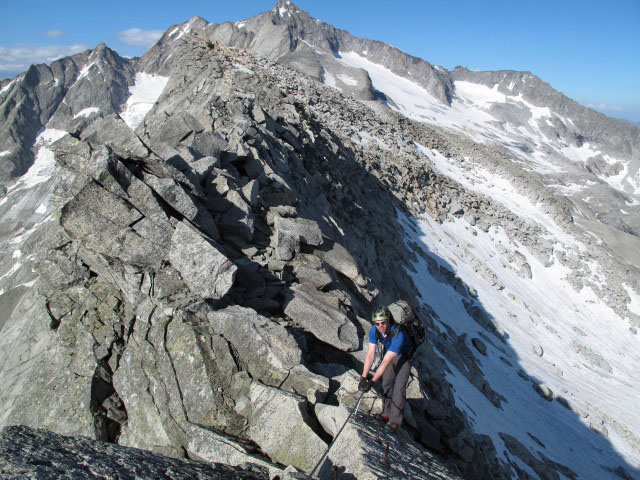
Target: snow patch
pixel 329 79
pixel 6 152
pixel 366 138
pixel 7 86
pixel 579 154
pixel 49 136
pixel 481 95
pixel 84 72
pixel 143 95
pixel 347 80
pixel 44 163
pixel 478 179
pixel 242 68
pixel 549 313
pixel 185 29
pixel 86 112
pixel 634 299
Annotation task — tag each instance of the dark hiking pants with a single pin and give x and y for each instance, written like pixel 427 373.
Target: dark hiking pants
pixel 394 387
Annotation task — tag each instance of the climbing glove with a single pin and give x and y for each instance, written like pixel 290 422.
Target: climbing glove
pixel 364 384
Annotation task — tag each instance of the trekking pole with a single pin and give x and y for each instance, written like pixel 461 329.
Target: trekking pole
pixel 310 476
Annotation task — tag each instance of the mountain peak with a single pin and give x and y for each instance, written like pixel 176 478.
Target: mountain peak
pixel 285 7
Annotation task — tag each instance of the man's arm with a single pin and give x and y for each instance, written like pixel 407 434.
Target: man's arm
pixel 368 361
pixel 388 358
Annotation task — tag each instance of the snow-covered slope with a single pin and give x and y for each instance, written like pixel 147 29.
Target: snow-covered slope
pixel 551 336
pixel 605 185
pixel 581 155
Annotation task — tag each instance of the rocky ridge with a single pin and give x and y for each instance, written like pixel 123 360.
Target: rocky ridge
pixel 166 353
pixel 196 264
pixel 292 37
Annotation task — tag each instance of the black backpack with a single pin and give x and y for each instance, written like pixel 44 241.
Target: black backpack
pixel 405 317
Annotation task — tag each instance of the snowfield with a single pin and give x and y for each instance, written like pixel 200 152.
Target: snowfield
pixel 555 336
pixel 144 93
pixel 470 114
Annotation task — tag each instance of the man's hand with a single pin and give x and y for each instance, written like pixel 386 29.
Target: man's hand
pixel 364 385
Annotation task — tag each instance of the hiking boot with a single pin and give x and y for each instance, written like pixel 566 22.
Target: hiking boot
pixel 391 427
pixel 383 417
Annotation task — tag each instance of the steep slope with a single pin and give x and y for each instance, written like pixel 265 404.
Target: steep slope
pixel 144 325
pixel 65 95
pixel 192 273
pixel 577 153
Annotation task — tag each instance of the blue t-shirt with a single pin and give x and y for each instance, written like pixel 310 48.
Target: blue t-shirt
pixel 399 343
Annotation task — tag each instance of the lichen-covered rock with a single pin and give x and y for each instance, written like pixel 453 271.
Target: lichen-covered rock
pixel 264 348
pixel 206 271
pixel 31 453
pixel 278 425
pixel 101 222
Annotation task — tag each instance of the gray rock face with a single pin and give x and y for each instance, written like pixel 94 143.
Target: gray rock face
pixel 339 258
pixel 26 452
pixel 277 424
pixel 319 313
pixel 205 270
pixel 201 288
pixel 306 230
pixel 268 352
pixel 58 95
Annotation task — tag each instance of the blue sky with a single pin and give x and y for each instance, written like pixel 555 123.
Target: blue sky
pixel 589 50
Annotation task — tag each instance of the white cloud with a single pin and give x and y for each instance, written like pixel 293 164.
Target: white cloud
pixel 604 106
pixel 139 37
pixel 18 59
pixel 53 33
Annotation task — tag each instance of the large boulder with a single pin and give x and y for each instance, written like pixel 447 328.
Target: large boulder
pixel 278 423
pixel 319 314
pixel 339 258
pixel 115 134
pixel 184 202
pixel 238 219
pixel 264 348
pixel 307 230
pixel 105 224
pixel 207 272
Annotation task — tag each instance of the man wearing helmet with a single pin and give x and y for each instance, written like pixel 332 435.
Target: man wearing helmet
pixel 394 369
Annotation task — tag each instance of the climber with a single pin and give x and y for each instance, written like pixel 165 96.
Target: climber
pixel 394 369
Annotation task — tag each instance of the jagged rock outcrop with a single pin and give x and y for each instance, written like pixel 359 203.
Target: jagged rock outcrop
pixel 62 96
pixel 26 452
pixel 200 279
pixel 168 271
